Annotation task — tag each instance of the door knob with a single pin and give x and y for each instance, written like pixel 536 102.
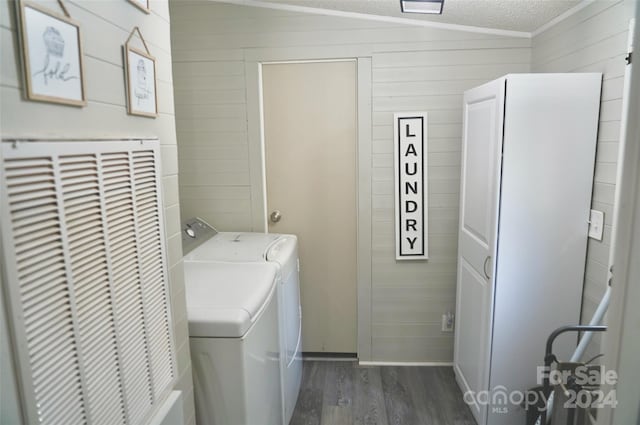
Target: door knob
pixel 275 216
pixel 484 267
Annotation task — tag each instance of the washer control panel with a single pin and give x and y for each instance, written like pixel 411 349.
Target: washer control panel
pixel 196 231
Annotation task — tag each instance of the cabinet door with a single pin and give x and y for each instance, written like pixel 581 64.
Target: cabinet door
pixel 480 182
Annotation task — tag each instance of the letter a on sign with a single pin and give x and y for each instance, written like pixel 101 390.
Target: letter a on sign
pixel 410 164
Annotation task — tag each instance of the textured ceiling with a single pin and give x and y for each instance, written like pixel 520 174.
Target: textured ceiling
pixel 516 15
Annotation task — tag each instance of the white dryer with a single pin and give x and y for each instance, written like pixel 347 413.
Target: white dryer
pixel 202 242
pixel 233 336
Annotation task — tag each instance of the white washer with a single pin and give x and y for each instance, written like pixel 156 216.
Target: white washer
pixel 203 243
pixel 233 336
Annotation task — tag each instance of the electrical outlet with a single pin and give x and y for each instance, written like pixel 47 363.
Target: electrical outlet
pixel 447 322
pixel 596 225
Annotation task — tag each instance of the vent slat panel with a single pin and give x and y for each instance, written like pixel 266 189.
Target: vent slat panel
pixel 88 280
pixel 96 325
pixel 151 270
pixel 42 289
pixel 120 181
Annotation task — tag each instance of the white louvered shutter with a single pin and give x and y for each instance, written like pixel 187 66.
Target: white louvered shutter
pixel 86 280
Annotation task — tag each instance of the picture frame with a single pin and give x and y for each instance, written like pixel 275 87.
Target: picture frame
pixel 142 5
pixel 141 79
pixel 51 53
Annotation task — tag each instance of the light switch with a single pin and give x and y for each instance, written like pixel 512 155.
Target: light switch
pixel 596 224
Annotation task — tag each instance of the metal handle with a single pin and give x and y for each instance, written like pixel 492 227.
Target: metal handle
pixel 275 216
pixel 484 267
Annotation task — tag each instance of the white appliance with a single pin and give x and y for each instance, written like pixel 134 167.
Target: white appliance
pixel 528 157
pixel 233 336
pixel 203 243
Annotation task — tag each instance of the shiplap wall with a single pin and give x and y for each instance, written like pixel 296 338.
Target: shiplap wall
pixel 413 68
pixel 105 27
pixel 9 401
pixel 594 40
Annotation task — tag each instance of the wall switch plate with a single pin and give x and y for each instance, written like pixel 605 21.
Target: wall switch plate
pixel 596 224
pixel 447 322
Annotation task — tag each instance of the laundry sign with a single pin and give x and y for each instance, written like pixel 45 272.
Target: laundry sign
pixel 410 159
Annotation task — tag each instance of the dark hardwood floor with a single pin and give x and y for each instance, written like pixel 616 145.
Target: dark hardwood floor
pixel 343 393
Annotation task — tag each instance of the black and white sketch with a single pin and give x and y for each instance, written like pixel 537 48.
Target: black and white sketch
pixel 142 91
pixel 52 56
pixel 141 82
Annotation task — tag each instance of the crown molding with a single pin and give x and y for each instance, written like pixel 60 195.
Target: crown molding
pixel 379 18
pixel 408 21
pixel 555 21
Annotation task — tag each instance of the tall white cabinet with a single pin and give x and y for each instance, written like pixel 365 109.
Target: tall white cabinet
pixel 528 155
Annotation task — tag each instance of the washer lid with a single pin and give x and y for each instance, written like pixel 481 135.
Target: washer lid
pixel 225 299
pixel 284 252
pixel 234 246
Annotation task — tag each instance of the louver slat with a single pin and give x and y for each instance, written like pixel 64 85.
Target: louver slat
pixel 88 281
pixel 39 224
pixel 42 260
pixel 47 275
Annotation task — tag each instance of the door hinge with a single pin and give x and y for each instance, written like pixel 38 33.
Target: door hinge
pixel 628 58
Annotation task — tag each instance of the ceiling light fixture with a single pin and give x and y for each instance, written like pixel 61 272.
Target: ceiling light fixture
pixel 422 6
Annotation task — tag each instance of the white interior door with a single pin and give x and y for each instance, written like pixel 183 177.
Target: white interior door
pixel 310 160
pixel 481 153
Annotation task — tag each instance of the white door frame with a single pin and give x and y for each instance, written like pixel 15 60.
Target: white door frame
pixel 623 315
pixel 255 121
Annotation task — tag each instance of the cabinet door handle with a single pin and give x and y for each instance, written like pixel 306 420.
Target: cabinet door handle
pixel 484 267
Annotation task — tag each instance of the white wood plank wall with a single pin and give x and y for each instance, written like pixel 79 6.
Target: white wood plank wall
pixel 105 27
pixel 414 68
pixel 594 40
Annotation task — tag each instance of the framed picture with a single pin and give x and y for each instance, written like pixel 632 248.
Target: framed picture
pixel 51 55
pixel 140 70
pixel 142 5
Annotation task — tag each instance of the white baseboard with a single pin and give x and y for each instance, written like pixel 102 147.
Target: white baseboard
pixel 433 364
pixel 329 359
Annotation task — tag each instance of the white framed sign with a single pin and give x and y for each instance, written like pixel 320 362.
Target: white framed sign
pixel 52 55
pixel 410 169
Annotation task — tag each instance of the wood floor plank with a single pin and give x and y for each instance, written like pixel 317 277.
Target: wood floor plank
pixel 343 393
pixel 458 412
pixel 426 390
pixel 398 402
pixel 308 410
pixel 337 415
pixel 338 389
pixel 337 404
pixel 368 406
